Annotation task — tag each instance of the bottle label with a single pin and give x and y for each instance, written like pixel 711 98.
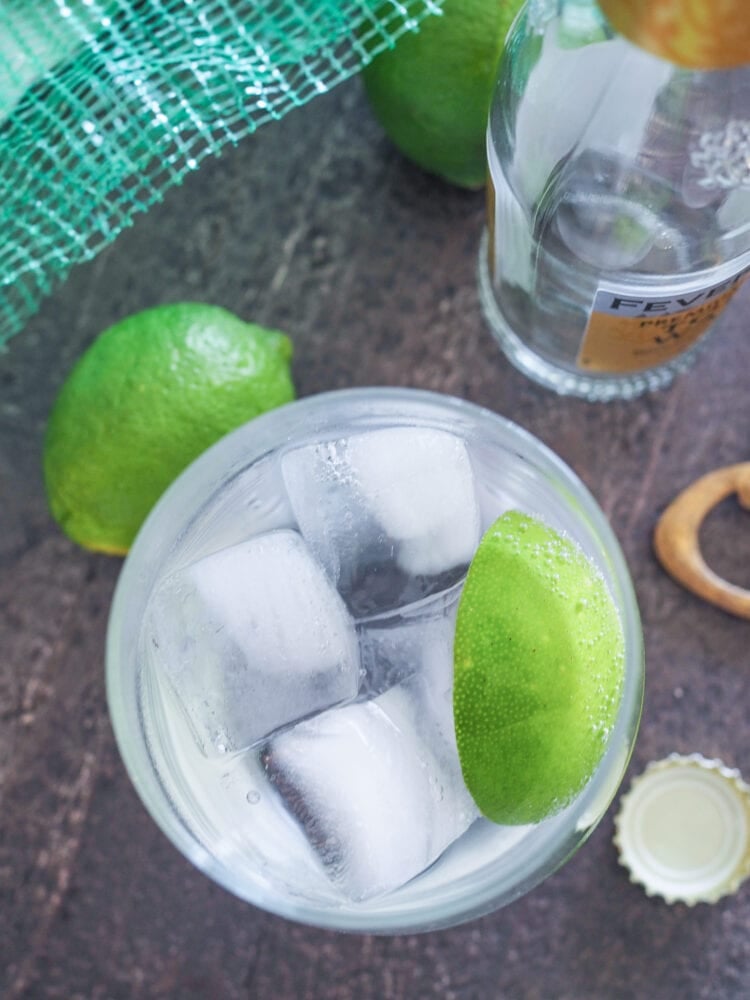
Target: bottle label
pixel 631 330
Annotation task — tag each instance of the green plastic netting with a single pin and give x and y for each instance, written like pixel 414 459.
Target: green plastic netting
pixel 105 104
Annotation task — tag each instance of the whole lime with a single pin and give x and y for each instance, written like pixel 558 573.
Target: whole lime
pixel 431 92
pixel 538 670
pixel 147 397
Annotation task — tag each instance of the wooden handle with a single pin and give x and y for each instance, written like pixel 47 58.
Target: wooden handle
pixel 676 537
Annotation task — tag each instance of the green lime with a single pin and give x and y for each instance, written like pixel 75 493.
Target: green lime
pixel 539 662
pixel 147 397
pixel 431 92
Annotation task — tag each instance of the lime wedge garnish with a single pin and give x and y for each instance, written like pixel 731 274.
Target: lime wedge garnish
pixel 539 662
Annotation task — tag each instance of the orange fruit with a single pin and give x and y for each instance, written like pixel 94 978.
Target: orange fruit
pixel 701 34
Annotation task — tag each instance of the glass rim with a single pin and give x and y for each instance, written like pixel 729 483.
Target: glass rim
pixel 471 895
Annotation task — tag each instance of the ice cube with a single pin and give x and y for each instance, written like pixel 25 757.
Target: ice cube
pixel 376 789
pixel 253 637
pixel 392 514
pixel 250 502
pixel 411 640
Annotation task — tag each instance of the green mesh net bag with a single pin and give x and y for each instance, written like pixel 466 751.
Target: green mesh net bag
pixel 104 104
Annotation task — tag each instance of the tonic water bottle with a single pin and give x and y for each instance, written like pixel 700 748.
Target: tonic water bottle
pixel 619 188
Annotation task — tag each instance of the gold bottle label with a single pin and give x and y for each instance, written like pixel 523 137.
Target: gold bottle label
pixel 629 332
pixel 700 34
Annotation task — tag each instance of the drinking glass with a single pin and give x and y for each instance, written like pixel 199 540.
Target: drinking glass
pixel 213 809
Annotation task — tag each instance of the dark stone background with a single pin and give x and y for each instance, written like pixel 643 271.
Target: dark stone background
pixel 317 226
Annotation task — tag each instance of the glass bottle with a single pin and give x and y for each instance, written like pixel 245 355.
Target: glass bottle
pixel 619 189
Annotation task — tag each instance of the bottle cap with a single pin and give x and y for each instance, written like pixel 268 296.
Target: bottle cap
pixel 683 829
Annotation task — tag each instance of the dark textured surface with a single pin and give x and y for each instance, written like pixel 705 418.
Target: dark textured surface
pixel 318 227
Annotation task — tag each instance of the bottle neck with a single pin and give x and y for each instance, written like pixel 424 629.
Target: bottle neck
pixel 699 34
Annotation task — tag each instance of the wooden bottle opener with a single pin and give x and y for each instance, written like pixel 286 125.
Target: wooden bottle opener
pixel 676 537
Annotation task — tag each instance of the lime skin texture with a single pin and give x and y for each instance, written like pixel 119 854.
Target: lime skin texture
pixel 538 671
pixel 145 399
pixel 431 92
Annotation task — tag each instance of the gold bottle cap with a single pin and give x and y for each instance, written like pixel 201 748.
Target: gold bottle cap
pixel 683 829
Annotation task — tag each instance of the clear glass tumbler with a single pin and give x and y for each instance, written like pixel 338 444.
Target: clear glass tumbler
pixel 220 811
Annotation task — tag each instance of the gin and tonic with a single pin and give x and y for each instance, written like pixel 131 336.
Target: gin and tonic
pixel 280 659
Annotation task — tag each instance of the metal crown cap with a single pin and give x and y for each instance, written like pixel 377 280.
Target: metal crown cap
pixel 683 829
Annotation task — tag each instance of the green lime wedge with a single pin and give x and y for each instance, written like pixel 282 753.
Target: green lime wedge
pixel 538 671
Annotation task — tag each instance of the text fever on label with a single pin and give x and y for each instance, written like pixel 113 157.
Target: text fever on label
pixel 620 303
